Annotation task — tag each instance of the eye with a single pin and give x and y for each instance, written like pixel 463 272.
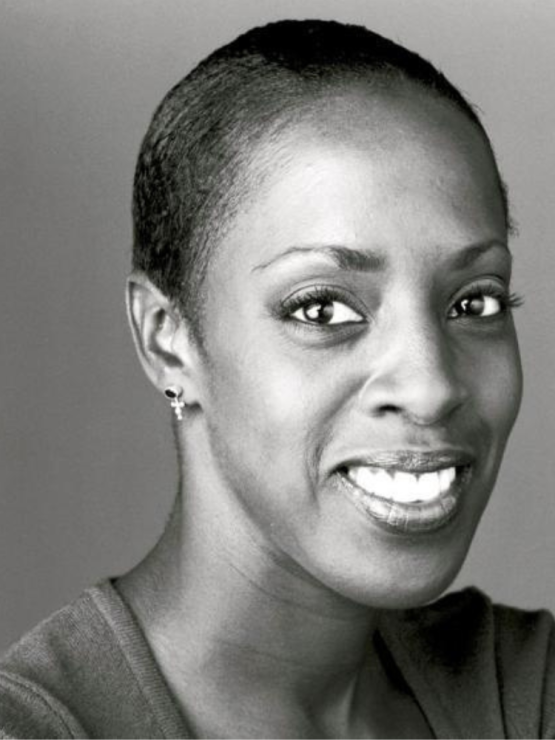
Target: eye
pixel 478 305
pixel 326 312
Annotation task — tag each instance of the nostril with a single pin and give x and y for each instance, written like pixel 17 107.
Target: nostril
pixel 388 408
pixel 423 403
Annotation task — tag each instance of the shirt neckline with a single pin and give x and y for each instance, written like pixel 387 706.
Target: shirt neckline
pixel 138 655
pixel 450 704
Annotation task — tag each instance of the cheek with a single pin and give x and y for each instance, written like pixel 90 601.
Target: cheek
pixel 262 404
pixel 266 418
pixel 495 377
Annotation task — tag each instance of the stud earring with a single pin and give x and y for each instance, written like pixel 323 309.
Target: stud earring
pixel 174 394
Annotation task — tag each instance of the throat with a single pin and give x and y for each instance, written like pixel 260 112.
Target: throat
pixel 252 651
pixel 251 694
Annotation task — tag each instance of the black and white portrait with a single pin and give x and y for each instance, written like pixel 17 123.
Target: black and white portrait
pixel 277 368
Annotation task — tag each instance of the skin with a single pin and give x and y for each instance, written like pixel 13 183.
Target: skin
pixel 262 599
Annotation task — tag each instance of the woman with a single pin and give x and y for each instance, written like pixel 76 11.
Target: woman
pixel 321 289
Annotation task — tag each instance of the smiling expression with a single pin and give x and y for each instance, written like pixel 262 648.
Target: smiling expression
pixel 362 372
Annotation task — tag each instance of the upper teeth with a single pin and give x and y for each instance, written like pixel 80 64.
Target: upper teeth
pixel 401 486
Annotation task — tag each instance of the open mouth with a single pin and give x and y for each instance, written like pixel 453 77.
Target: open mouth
pixel 407 501
pixel 400 486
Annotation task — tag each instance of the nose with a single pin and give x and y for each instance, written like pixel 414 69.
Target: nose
pixel 414 374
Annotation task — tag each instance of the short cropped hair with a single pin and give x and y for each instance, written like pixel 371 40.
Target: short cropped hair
pixel 192 166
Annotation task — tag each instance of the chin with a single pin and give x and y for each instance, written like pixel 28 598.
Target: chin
pixel 407 583
pixel 402 596
pixel 418 595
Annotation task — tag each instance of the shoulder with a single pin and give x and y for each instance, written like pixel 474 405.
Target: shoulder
pixel 28 710
pixel 500 656
pixel 519 638
pixel 72 676
pixel 36 673
pixel 524 648
pixel 86 671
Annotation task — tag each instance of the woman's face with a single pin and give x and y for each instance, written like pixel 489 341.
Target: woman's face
pixel 362 371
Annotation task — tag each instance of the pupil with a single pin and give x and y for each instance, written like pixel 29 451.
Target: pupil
pixel 475 306
pixel 320 312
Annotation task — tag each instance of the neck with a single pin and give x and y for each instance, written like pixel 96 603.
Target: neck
pixel 251 623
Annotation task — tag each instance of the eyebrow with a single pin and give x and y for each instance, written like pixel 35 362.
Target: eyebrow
pixel 344 257
pixel 473 252
pixel 359 260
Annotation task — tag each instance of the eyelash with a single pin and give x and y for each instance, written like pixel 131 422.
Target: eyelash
pixel 328 294
pixel 508 301
pixel 315 295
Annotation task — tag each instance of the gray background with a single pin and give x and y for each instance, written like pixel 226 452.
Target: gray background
pixel 87 468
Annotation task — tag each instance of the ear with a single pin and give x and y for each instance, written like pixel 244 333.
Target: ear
pixel 163 340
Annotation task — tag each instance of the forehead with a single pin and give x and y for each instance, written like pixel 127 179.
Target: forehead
pixel 398 168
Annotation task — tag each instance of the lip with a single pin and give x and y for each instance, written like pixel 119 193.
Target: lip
pixel 416 517
pixel 413 461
